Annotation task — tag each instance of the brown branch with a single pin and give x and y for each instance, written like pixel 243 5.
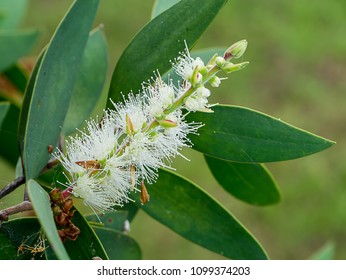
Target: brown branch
pixel 21 207
pixel 12 186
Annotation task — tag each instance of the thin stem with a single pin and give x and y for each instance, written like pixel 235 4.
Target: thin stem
pixel 21 207
pixel 12 186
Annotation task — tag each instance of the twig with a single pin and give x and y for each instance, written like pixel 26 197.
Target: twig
pixel 12 186
pixel 21 207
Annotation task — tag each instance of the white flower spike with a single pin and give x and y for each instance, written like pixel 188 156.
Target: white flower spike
pixel 111 157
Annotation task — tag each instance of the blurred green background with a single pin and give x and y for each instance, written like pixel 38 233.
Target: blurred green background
pixel 297 72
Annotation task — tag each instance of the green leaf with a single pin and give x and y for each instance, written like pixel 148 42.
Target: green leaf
pixel 8 135
pixel 12 13
pixel 53 86
pixel 41 204
pixel 26 101
pixel 89 82
pixel 113 220
pixel 251 183
pixel 87 245
pixel 14 45
pixel 191 212
pixel 326 252
pixel 162 5
pixel 159 42
pixel 240 134
pixel 118 245
pixel 19 232
pixel 17 76
pixel 4 107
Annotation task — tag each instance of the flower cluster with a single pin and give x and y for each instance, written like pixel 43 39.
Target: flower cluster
pixel 125 149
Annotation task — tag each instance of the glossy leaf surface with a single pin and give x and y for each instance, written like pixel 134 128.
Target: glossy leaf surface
pixel 162 5
pixel 54 84
pixel 251 183
pixel 240 134
pixel 89 82
pixel 112 220
pixel 118 246
pixel 191 212
pixel 159 42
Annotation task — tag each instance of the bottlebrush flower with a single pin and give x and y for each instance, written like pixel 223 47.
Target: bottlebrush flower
pixel 109 158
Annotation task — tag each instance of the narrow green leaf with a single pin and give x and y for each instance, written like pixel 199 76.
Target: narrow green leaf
pixel 41 204
pixel 4 107
pixel 87 245
pixel 19 232
pixel 26 101
pixel 251 183
pixel 89 82
pixel 118 245
pixel 8 134
pixel 162 5
pixel 191 212
pixel 12 13
pixel 159 42
pixel 244 135
pixel 14 45
pixel 54 84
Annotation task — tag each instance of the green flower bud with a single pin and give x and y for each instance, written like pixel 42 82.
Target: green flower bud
pixel 230 67
pixel 236 50
pixel 167 123
pixel 203 70
pixel 214 81
pixel 220 61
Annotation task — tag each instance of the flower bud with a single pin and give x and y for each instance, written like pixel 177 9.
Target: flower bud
pixel 196 77
pixel 214 81
pixel 167 123
pixel 236 50
pixel 230 67
pixel 220 61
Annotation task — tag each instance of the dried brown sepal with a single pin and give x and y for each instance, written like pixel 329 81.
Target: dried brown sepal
pixel 71 232
pixel 145 197
pixel 89 164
